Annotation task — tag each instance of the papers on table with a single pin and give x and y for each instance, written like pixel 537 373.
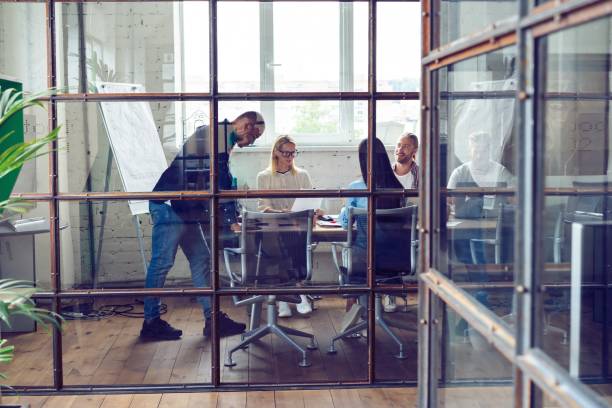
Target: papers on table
pixel 306 203
pixel 329 224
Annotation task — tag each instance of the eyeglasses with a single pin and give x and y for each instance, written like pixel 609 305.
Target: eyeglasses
pixel 287 153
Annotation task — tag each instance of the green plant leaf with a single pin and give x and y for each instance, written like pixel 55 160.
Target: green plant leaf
pixel 6 354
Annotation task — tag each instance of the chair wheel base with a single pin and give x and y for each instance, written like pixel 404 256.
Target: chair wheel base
pixel 401 355
pixel 304 363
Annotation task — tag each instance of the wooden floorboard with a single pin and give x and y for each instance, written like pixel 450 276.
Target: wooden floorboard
pixel 336 398
pixel 109 351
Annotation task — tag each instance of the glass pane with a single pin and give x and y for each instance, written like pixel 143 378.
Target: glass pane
pixel 464 17
pixel 324 134
pixel 285 54
pixel 396 324
pixel 472 371
pixel 397 126
pixel 23 53
pixel 477 156
pixel 282 237
pixel 576 326
pixel 274 359
pixel 134 146
pixel 398 69
pixel 110 244
pixel 32 123
pixel 159 46
pixel 25 246
pixel 103 345
pixel 31 364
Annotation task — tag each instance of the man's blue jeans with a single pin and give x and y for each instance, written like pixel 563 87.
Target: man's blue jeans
pixel 170 232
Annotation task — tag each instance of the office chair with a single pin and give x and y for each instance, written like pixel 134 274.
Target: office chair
pixel 275 250
pixel 503 249
pixel 396 243
pixel 503 243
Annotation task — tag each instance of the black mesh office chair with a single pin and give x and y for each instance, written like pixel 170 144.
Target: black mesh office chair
pixel 396 243
pixel 275 251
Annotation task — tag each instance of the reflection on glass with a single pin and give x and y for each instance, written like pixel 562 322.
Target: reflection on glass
pixel 398 71
pixel 23 55
pixel 25 245
pixel 395 118
pixel 468 356
pixel 284 53
pixel 477 157
pixel 31 365
pixel 144 44
pixel 396 324
pixel 144 147
pixel 462 18
pixel 325 135
pixel 576 326
pixel 282 174
pixel 315 265
pixel 106 245
pixel 274 360
pixel 34 174
pixel 105 347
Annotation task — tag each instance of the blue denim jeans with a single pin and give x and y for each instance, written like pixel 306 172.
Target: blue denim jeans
pixel 170 232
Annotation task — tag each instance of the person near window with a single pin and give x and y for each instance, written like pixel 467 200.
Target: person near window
pixel 283 174
pixel 384 177
pixel 182 223
pixel 481 171
pixel 407 172
pixel 405 168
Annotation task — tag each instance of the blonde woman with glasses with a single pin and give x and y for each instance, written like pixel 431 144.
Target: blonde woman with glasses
pixel 283 174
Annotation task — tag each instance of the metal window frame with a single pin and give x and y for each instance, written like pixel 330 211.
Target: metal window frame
pixel 55 197
pixel 534 371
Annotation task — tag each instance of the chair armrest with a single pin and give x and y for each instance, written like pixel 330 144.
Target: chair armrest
pixel 334 249
pixel 226 255
pixel 483 241
pixel 234 251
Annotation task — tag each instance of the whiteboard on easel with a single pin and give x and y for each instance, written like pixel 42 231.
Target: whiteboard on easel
pixel 134 141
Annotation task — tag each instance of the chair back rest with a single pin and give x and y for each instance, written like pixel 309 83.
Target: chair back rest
pixel 276 247
pixel 394 234
pixel 504 233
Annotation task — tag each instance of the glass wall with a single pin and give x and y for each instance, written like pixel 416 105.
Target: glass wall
pixel 515 292
pixel 574 104
pixel 477 168
pixel 212 211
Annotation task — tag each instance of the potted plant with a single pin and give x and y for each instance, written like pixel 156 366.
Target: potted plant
pixel 16 295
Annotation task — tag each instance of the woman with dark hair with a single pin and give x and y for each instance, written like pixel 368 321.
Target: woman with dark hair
pixel 383 177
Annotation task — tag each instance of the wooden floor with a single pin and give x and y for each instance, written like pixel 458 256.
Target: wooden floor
pixel 109 351
pixel 337 398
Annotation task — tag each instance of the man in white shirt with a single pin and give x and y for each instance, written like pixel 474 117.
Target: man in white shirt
pixel 481 170
pixel 405 168
pixel 407 172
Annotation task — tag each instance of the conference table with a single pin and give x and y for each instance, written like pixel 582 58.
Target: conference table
pixel 454 225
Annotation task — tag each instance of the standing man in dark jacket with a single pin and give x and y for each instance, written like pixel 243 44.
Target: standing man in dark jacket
pixel 183 222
